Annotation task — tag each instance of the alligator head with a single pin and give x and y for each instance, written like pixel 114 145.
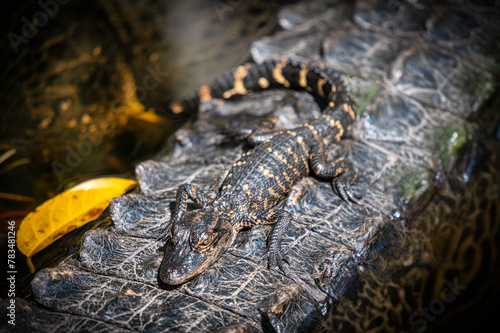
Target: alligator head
pixel 195 243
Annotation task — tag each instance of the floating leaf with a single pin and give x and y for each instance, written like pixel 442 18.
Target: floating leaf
pixel 66 212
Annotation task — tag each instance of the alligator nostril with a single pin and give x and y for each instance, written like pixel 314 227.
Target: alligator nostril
pixel 174 276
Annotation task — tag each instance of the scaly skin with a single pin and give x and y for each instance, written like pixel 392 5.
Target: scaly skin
pixel 263 176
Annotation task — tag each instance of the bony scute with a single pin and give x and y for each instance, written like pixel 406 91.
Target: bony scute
pixel 265 176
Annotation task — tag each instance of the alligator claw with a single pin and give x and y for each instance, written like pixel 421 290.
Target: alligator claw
pixel 275 257
pixel 342 185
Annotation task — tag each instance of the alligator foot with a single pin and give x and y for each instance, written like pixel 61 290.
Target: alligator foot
pixel 342 185
pixel 276 257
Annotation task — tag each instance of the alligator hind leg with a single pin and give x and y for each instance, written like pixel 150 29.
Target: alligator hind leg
pixel 341 170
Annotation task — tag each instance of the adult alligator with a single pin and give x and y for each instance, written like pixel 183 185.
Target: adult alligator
pixel 426 146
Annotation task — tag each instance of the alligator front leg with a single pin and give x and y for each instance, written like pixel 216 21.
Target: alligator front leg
pixel 254 137
pixel 184 192
pixel 263 132
pixel 278 216
pixel 282 219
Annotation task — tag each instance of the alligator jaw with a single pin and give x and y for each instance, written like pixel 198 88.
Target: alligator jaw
pixel 182 261
pixel 176 269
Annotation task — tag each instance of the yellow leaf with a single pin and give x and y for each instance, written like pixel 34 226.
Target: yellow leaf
pixel 66 212
pixel 149 117
pixel 134 106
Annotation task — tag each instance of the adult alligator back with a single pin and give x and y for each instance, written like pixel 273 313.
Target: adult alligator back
pixel 423 74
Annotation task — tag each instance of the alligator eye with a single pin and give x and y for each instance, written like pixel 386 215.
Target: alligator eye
pixel 207 241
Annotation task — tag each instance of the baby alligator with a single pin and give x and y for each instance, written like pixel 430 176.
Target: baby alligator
pixel 264 176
